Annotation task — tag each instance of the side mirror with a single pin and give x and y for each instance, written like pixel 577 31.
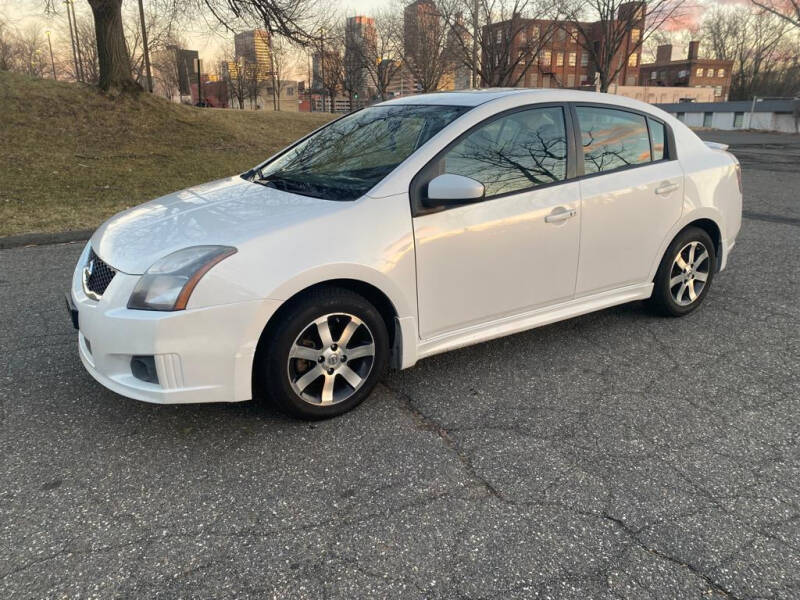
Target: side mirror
pixel 448 189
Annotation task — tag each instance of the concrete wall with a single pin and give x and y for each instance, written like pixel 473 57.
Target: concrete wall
pixel 762 121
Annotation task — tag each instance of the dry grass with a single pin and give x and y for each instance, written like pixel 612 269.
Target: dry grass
pixel 70 156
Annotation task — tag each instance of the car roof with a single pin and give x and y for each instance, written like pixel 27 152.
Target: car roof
pixel 480 96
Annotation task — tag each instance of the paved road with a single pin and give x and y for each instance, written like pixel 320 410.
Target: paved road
pixel 616 455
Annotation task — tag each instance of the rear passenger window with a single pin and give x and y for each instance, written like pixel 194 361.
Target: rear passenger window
pixel 657 136
pixel 612 139
pixel 513 153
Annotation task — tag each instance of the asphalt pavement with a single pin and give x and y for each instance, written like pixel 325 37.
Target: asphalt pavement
pixel 616 455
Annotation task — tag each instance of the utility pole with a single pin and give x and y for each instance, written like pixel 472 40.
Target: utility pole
pixel 71 8
pixel 146 51
pixel 475 23
pixel 52 60
pixel 322 66
pixel 72 41
pixel 199 83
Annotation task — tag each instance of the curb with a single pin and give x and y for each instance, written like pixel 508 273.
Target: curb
pixel 43 239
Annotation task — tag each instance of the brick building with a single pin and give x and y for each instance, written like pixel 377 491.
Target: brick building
pixel 692 71
pixel 421 23
pixel 550 53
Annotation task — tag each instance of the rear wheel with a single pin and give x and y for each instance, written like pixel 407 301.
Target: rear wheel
pixel 685 274
pixel 325 356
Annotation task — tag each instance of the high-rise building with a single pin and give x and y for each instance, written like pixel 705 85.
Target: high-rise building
pixel 359 48
pixel 252 47
pixel 421 26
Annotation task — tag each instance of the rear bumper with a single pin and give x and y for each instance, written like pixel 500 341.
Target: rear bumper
pixel 200 355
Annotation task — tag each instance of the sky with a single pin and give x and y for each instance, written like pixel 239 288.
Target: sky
pixel 21 13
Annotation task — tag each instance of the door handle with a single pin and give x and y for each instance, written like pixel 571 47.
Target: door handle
pixel 666 188
pixel 560 215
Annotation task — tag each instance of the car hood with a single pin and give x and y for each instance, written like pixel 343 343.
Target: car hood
pixel 225 212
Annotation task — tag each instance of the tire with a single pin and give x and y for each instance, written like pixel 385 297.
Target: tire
pixel 305 371
pixel 676 281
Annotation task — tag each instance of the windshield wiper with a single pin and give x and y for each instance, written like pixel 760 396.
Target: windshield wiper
pixel 281 183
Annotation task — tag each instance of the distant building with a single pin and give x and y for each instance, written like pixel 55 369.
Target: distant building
pixel 359 47
pixel 562 62
pixel 420 19
pixel 252 48
pixel 402 83
pixel 692 71
pixel 186 65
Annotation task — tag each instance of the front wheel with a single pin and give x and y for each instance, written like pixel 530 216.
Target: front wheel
pixel 324 357
pixel 685 273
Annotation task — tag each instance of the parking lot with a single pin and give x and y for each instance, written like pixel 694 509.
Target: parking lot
pixel 617 455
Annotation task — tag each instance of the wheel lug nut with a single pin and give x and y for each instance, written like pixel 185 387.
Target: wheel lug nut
pixel 330 371
pixel 321 359
pixel 334 346
pixel 344 358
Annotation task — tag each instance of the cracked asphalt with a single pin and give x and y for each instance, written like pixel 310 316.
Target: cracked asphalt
pixel 617 455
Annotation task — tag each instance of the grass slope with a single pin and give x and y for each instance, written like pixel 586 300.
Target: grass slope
pixel 70 156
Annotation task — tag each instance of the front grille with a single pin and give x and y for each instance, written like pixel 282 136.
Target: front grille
pixel 97 275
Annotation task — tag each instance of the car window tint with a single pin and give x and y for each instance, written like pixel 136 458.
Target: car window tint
pixel 512 153
pixel 612 139
pixel 657 135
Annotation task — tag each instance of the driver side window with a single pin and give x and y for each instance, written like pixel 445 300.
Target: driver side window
pixel 517 152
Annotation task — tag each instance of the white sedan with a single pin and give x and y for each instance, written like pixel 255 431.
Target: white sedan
pixel 403 230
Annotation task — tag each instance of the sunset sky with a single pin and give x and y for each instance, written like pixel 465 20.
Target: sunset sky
pixel 24 13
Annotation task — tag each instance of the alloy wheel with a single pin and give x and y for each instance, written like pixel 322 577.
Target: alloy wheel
pixel 689 274
pixel 331 359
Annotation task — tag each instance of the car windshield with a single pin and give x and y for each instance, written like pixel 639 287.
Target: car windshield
pixel 347 158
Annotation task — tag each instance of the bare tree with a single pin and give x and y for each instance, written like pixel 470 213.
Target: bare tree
pixel 163 18
pixel 166 68
pixel 297 20
pixel 254 80
pixel 8 47
pixel 758 42
pixel 293 18
pixel 332 73
pixel 500 23
pixel 236 81
pixel 617 30
pixel 281 62
pixel 31 51
pixel 87 63
pixel 788 10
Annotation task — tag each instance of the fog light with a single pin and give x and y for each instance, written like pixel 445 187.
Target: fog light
pixel 144 368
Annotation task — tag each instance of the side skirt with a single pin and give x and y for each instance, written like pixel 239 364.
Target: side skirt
pixel 529 320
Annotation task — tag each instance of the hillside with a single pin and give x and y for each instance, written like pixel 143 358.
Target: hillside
pixel 71 156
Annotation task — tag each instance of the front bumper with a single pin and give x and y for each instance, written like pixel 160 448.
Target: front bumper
pixel 200 354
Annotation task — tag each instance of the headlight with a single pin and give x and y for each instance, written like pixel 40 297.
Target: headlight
pixel 169 282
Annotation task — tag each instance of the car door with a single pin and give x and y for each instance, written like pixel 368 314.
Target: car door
pixel 517 248
pixel 631 196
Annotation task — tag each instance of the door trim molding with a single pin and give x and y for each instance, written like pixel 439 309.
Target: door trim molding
pixel 531 319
